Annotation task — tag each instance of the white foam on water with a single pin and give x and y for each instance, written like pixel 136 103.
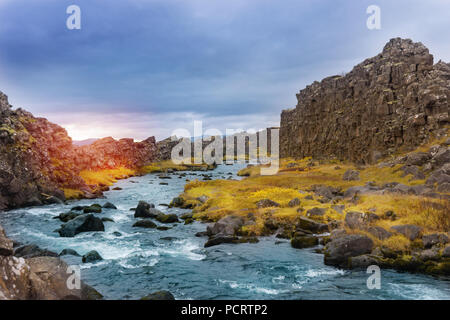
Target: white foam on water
pixel 313 273
pixel 278 279
pixel 418 292
pixel 183 248
pixel 123 263
pixel 252 287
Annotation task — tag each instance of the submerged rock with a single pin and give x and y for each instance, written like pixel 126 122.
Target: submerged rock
pixel 69 252
pixel 109 205
pixel 220 239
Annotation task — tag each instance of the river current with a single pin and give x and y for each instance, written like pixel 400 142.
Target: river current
pixel 140 261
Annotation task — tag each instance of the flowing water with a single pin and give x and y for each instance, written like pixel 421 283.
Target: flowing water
pixel 140 261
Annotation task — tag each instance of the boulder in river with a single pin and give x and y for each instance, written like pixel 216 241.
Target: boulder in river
pixel 338 251
pixel 167 218
pixel 304 242
pixel 219 239
pixel 83 223
pixel 227 226
pixel 109 205
pixel 145 224
pixel 159 295
pixel 67 216
pixel 91 256
pixel 68 252
pixel 95 208
pixel 145 210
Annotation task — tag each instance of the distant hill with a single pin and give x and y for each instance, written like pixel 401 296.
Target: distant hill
pixel 85 142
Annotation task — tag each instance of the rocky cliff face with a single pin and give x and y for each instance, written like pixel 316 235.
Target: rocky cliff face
pixel 37 158
pixel 392 102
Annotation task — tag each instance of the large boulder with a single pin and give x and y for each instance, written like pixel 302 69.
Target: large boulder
pixel 379 232
pixel 311 225
pixel 83 223
pixel 220 239
pixel 41 278
pixel 91 256
pixel 227 226
pixel 304 242
pixel 146 210
pixel 430 240
pixel 410 231
pixel 145 224
pixel 167 218
pixel 338 251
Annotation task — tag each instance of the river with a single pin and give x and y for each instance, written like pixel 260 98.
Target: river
pixel 140 261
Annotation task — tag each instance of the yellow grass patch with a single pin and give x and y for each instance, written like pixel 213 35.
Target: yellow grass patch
pixel 105 177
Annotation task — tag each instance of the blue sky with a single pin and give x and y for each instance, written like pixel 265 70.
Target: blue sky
pixel 146 67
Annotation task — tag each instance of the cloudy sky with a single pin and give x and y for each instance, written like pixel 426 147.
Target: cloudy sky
pixel 147 67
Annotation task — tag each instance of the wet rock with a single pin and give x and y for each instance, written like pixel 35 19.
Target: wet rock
pixel 226 226
pixel 311 225
pixel 294 203
pixel 68 252
pixel 186 216
pixel 163 228
pixel 167 218
pixel 32 251
pixel 106 219
pixel 109 205
pixel 363 261
pixel 412 232
pixel 95 208
pixel 189 221
pixel 351 175
pixel 304 242
pixel 220 239
pixel 117 189
pixel 77 208
pixel 146 210
pixel 145 224
pixel 176 202
pixel 83 223
pixel 159 295
pixel 67 216
pixel 91 256
pixel 201 234
pixel 338 251
pixel 267 203
pixel 431 240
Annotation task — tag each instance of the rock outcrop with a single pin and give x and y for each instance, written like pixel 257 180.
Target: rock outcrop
pixel 38 158
pixel 394 101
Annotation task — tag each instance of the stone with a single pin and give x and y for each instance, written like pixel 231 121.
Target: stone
pixel 159 295
pixel 267 203
pixel 338 251
pixel 311 225
pixel 32 251
pixel 446 252
pixel 91 256
pixel 351 175
pixel 363 261
pixel 431 240
pixel 227 226
pixel 95 208
pixel 294 203
pixel 316 212
pixel 109 205
pixel 83 223
pixel 146 210
pixel 145 224
pixel 412 232
pixel 69 252
pixel 167 218
pixel 6 244
pixel 379 232
pixel 304 242
pixel 220 239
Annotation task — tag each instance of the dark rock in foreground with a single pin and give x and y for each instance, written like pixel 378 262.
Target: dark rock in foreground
pixel 91 256
pixel 159 295
pixel 338 251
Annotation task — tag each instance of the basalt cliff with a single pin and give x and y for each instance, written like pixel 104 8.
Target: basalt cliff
pixel 38 159
pixel 387 104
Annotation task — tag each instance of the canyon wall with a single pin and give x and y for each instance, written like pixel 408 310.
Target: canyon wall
pixel 392 102
pixel 38 159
